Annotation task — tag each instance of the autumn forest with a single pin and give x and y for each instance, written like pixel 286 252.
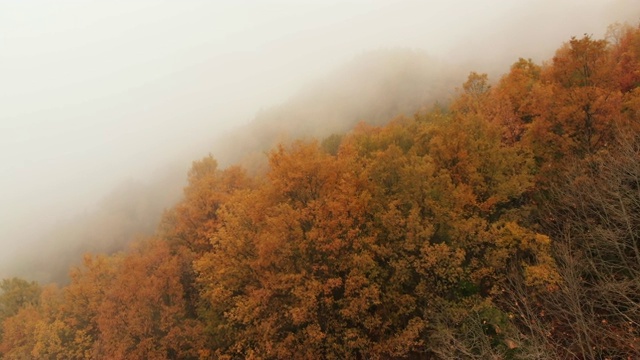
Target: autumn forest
pixel 503 224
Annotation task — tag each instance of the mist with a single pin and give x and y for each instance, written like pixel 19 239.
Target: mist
pixel 104 104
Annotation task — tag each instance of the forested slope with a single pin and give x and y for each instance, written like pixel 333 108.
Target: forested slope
pixel 373 87
pixel 504 226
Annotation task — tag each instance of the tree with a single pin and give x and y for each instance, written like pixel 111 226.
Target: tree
pixel 18 331
pixel 143 313
pixel 595 215
pixel 16 294
pixel 587 101
pixel 517 100
pixel 474 93
pixel 193 221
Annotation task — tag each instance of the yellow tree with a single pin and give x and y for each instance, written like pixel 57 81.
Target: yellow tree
pixel 143 312
pixel 587 101
pixel 193 221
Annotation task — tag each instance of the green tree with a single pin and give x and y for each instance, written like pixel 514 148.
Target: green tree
pixel 17 293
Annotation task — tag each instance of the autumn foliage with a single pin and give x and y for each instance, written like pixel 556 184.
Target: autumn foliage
pixel 503 226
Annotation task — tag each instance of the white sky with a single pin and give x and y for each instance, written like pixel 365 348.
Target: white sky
pixel 93 92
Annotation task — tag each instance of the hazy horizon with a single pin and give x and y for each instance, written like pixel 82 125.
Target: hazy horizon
pixel 95 93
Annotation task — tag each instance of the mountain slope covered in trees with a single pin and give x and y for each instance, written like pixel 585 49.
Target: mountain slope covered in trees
pixel 503 226
pixel 373 87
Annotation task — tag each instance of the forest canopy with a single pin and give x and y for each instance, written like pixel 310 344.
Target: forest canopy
pixel 503 225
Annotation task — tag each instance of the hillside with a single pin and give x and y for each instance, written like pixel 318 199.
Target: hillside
pixel 499 225
pixel 373 87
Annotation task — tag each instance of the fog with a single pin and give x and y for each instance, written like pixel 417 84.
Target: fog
pixel 115 97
